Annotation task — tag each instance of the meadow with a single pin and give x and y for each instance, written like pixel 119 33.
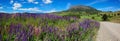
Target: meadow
pixel 46 27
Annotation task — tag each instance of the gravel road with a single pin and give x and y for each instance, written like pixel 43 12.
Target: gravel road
pixel 108 32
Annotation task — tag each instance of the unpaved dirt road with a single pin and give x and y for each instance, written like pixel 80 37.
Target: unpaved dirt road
pixel 108 32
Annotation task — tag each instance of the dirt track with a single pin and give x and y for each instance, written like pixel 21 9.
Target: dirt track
pixel 108 32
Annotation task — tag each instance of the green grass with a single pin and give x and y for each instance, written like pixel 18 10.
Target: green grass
pixel 96 17
pixel 115 19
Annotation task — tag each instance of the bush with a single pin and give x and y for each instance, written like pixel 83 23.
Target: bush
pixel 104 17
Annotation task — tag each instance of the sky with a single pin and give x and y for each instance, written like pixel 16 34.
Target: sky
pixel 46 6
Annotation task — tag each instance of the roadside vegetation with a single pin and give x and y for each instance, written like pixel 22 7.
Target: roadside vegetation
pixel 46 27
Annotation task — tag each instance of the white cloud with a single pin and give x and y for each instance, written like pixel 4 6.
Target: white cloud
pixel 68 5
pixel 14 12
pixel 2 11
pixel 31 9
pixel 16 6
pixel 36 2
pixel 105 8
pixel 31 1
pixel 24 2
pixel 47 1
pixel 1 7
pixel 96 1
pixel 93 2
pixel 109 8
pixel 11 1
pixel 35 9
pixel 52 10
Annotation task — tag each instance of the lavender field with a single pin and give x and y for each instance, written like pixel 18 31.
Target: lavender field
pixel 46 27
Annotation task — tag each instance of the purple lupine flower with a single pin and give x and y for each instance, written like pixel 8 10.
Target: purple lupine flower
pixel 49 29
pixel 24 38
pixel 20 31
pixel 73 27
pixel 37 31
pixel 97 24
pixel 85 24
pixel 14 28
pixel 53 29
pixel 51 17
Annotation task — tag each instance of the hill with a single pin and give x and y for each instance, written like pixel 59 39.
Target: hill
pixel 79 10
pixel 83 9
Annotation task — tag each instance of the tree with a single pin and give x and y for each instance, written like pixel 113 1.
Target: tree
pixel 104 17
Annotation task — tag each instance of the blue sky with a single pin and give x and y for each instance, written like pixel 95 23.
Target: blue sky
pixel 12 6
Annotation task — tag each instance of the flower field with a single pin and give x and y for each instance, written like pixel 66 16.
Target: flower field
pixel 46 27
